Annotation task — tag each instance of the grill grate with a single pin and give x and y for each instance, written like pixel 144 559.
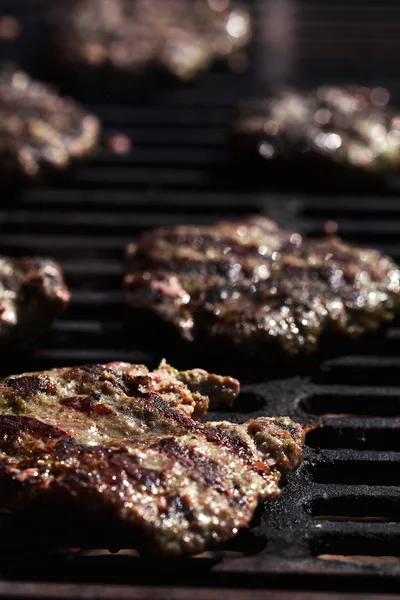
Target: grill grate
pixel 337 524
pixel 345 500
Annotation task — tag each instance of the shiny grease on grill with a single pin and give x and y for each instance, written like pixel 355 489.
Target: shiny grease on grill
pixel 259 288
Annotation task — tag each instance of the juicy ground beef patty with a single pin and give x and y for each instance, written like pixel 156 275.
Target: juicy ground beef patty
pixel 40 130
pixel 182 36
pixel 120 443
pixel 258 288
pixel 32 295
pixel 351 126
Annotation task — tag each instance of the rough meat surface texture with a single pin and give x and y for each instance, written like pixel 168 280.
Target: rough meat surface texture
pixel 351 126
pixel 121 443
pixel 32 294
pixel 182 36
pixel 258 288
pixel 40 130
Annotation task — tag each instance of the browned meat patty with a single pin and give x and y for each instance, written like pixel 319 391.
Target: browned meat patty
pixel 32 295
pixel 179 35
pixel 39 130
pixel 352 126
pixel 258 288
pixel 119 443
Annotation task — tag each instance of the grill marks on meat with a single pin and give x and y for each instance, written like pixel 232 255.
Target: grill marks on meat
pixel 32 295
pixel 87 404
pixel 179 35
pixel 259 288
pixel 40 130
pixel 352 126
pixel 176 485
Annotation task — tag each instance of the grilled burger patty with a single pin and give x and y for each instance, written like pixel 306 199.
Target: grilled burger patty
pixel 258 288
pixel 352 126
pixel 32 294
pixel 121 444
pixel 40 130
pixel 179 35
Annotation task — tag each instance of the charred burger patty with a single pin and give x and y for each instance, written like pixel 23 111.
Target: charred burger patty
pixel 40 130
pixel 350 126
pixel 258 288
pixel 182 36
pixel 120 444
pixel 32 295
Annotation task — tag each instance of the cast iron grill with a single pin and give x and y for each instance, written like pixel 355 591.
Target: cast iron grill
pixel 337 524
